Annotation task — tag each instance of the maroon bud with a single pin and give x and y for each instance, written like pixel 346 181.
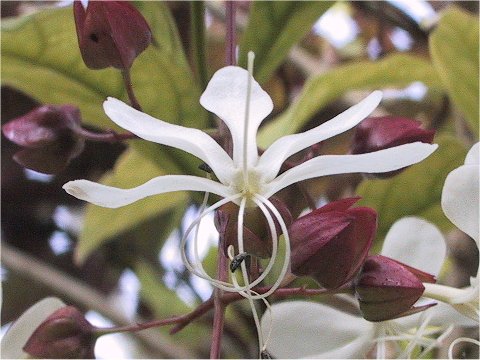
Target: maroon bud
pixel 110 33
pixel 66 334
pixel 331 243
pixel 378 133
pixel 387 289
pixel 49 135
pixel 257 239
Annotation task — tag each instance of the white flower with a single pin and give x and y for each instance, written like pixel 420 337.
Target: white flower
pixel 301 329
pixel 21 330
pixel 460 202
pixel 246 178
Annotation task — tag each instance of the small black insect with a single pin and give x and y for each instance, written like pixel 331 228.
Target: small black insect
pixel 237 261
pixel 265 355
pixel 206 168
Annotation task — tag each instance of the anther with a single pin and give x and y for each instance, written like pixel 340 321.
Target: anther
pixel 237 261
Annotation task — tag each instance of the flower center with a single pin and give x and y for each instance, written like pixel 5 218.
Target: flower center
pixel 248 184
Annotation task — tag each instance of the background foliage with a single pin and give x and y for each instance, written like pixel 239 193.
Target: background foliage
pixel 41 63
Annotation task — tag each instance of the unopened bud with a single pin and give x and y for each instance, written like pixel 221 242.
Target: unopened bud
pixel 330 243
pixel 387 289
pixel 49 135
pixel 110 33
pixel 65 334
pixel 378 133
pixel 257 238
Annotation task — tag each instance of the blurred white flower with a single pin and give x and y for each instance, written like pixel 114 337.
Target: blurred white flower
pixel 460 203
pixel 301 329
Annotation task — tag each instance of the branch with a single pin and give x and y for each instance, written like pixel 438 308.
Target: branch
pixel 78 292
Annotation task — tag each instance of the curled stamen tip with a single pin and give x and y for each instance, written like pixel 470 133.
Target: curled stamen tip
pixel 237 261
pixel 265 355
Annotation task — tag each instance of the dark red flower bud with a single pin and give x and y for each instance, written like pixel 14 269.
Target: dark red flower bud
pixel 378 133
pixel 387 289
pixel 66 334
pixel 331 243
pixel 50 136
pixel 110 33
pixel 256 232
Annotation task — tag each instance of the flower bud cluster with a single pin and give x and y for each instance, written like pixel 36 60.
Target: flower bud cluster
pixel 331 245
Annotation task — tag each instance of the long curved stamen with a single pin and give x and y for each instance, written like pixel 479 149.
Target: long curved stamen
pixel 437 342
pixel 260 201
pixel 418 336
pixel 381 350
pixel 251 57
pixel 248 293
pixel 189 230
pixel 196 267
pixel 459 340
pixel 273 232
pixel 286 237
pixel 198 262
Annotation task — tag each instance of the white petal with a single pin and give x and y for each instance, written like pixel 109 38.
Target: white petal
pixel 417 243
pixel 21 330
pixel 271 160
pixel 111 197
pixel 193 141
pixel 374 162
pixel 308 329
pixel 460 198
pixel 439 315
pixel 472 157
pixel 226 96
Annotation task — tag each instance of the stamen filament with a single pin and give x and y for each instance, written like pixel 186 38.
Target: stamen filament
pixel 248 295
pixel 251 57
pixel 456 341
pixel 286 238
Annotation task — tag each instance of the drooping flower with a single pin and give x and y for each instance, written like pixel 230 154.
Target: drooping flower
pixel 246 178
pixel 301 329
pixel 22 329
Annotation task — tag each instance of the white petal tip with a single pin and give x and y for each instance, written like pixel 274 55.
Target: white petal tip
pixel 74 189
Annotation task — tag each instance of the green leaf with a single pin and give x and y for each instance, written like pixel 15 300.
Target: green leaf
pixel 416 191
pixel 274 27
pixel 394 71
pixel 102 224
pixel 40 56
pixel 163 27
pixel 454 49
